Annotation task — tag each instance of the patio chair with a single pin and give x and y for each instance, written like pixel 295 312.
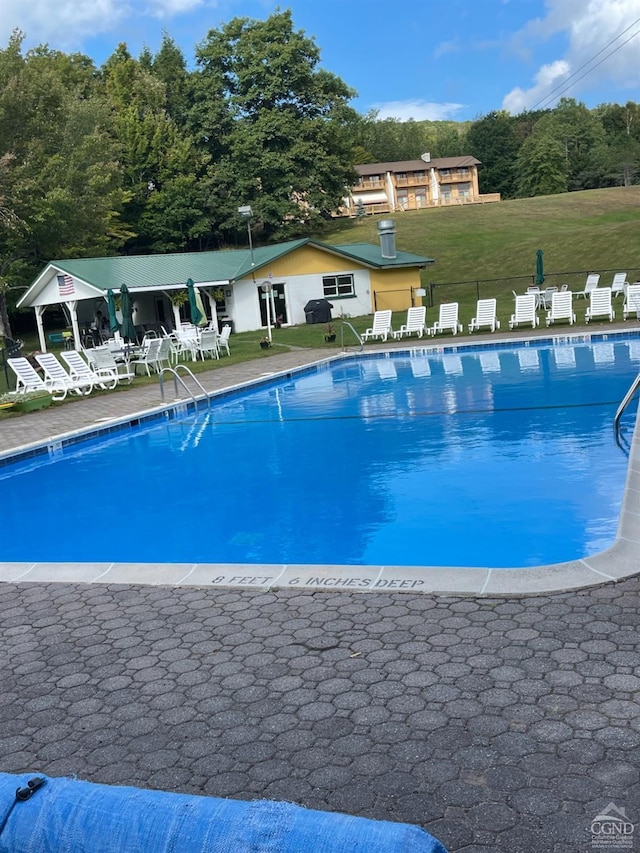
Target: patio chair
pixel 591 283
pixel 561 308
pixel 80 369
pixel 547 295
pixel 54 372
pixel 103 362
pixel 631 301
pixel 223 340
pixel 208 344
pixel 447 319
pixel 485 315
pixel 525 311
pixel 619 283
pixel 150 357
pixel 600 304
pixel 28 379
pixel 381 327
pixel 415 323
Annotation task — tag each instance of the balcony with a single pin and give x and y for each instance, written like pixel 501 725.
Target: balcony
pixel 411 181
pixel 369 185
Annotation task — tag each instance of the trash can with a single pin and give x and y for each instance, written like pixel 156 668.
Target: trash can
pixel 318 311
pixel 225 321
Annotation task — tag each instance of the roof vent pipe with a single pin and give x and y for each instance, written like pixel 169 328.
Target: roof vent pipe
pixel 387 233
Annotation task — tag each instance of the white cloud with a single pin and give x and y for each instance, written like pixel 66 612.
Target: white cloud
pixel 64 27
pixel 171 8
pixel 417 110
pixel 445 47
pixel 589 26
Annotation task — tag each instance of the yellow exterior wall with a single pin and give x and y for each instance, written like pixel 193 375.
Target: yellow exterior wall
pixel 307 261
pixel 392 289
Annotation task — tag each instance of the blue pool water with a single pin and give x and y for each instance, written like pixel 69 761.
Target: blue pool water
pixel 478 458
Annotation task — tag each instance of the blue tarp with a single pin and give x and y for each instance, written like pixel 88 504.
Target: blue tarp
pixel 66 814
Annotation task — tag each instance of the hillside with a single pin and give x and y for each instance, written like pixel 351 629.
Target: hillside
pixel 591 230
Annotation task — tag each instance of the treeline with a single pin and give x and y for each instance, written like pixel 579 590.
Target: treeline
pixel 561 150
pixel 145 155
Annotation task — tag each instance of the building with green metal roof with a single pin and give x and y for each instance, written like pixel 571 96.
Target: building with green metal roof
pixel 249 288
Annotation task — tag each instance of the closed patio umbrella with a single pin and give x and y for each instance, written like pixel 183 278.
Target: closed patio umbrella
pixel 127 329
pixel 197 316
pixel 114 326
pixel 539 268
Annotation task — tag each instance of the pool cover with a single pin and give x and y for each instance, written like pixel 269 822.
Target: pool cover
pixel 65 814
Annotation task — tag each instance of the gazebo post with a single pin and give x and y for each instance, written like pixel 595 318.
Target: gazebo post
pixel 40 309
pixel 74 324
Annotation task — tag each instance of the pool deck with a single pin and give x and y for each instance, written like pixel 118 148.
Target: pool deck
pixel 499 724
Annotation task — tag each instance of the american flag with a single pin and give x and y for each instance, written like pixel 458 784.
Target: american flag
pixel 65 285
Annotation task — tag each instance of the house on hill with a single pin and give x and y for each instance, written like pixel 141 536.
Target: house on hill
pixel 415 184
pixel 247 288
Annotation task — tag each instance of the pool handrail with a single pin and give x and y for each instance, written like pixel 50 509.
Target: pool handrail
pixel 625 402
pixel 177 378
pixel 360 341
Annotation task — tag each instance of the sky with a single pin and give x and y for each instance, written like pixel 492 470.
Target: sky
pixel 420 59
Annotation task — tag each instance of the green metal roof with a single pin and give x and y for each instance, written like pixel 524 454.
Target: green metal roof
pixel 170 271
pixel 153 272
pixel 371 255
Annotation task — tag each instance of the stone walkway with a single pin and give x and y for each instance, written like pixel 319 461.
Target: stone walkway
pixel 498 724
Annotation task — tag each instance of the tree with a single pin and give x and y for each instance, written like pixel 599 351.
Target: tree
pixel 60 180
pixel 492 140
pixel 541 166
pixel 273 124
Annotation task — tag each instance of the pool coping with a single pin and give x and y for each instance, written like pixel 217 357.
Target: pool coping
pixel 620 560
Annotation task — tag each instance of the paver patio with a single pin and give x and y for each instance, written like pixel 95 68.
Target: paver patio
pixel 496 724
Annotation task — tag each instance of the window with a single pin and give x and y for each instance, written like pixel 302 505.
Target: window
pixel 419 175
pixel 403 199
pixel 445 173
pixel 464 190
pixel 401 175
pixel 337 286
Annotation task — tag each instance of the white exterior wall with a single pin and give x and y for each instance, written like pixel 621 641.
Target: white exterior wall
pixel 299 289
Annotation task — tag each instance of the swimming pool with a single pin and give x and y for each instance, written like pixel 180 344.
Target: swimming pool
pixel 355 464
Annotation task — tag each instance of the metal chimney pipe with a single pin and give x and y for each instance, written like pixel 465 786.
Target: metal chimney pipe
pixel 387 234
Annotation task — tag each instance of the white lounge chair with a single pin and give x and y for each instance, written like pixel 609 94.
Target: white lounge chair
pixel 525 311
pixel 223 340
pixel 600 304
pixel 415 323
pixel 619 283
pixel 54 372
pixel 28 379
pixel 381 327
pixel 593 279
pixel 447 320
pixel 485 315
pixel 561 308
pixel 631 301
pixel 104 364
pixel 80 369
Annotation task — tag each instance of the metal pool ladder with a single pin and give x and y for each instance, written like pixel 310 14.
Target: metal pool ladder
pixel 177 378
pixel 360 341
pixel 623 405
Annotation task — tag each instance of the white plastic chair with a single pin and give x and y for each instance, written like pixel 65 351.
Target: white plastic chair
pixel 631 301
pixel 381 327
pixel 150 358
pixel 619 283
pixel 561 308
pixel 208 344
pixel 593 279
pixel 525 311
pixel 54 372
pixel 80 369
pixel 104 364
pixel 415 323
pixel 600 304
pixel 485 315
pixel 447 320
pixel 223 340
pixel 28 379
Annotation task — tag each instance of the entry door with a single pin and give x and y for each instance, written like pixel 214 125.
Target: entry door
pixel 279 304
